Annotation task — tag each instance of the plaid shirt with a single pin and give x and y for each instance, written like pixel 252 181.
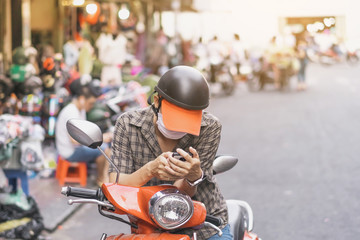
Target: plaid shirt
pixel 135 143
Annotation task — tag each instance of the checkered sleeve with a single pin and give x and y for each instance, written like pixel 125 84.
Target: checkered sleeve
pixel 207 146
pixel 208 191
pixel 121 151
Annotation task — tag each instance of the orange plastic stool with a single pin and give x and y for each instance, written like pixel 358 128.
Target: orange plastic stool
pixel 71 172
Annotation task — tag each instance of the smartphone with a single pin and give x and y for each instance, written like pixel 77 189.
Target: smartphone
pixel 179 157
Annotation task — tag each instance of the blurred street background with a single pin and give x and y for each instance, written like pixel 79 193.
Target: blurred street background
pixel 284 82
pixel 297 160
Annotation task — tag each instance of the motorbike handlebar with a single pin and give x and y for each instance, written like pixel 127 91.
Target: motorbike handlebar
pixel 80 192
pixel 214 220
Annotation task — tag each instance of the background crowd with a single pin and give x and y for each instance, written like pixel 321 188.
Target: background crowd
pixel 39 81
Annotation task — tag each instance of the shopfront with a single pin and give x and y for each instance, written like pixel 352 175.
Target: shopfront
pixel 54 22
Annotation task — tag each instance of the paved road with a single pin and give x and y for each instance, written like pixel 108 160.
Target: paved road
pixel 298 155
pixel 298 160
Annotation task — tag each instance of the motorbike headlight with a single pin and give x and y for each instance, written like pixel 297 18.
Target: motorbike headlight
pixel 170 208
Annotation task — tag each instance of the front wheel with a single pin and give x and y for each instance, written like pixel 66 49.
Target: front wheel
pixel 254 83
pixel 352 58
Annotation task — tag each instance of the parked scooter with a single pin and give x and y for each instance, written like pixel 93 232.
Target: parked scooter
pixel 333 55
pixel 115 101
pixel 353 56
pixel 220 76
pixel 251 73
pixel 154 212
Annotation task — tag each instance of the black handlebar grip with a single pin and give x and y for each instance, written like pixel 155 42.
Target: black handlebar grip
pixel 214 220
pixel 80 192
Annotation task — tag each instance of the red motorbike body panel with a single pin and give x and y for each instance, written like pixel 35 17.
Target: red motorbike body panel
pixel 250 236
pixel 153 236
pixel 134 201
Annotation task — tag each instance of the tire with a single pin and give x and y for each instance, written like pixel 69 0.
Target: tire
pixel 352 59
pixel 253 84
pixel 227 82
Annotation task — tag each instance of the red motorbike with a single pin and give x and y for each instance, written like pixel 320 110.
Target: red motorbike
pixel 154 212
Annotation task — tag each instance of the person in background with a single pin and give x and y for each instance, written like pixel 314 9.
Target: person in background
pixel 216 54
pixel 238 53
pixel 145 139
pixel 111 46
pixel 201 58
pixel 157 56
pixel 84 99
pixel 272 56
pixel 279 57
pixel 301 55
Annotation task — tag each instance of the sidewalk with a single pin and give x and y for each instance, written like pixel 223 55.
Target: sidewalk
pixel 52 204
pixel 67 222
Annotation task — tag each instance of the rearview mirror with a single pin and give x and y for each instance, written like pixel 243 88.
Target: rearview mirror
pixel 224 163
pixel 88 134
pixel 85 132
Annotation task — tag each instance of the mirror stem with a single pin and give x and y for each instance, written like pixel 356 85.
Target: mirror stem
pixel 109 160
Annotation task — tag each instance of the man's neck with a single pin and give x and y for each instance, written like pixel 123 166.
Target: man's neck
pixel 76 102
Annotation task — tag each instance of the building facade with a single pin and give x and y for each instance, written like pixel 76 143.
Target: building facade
pixel 257 21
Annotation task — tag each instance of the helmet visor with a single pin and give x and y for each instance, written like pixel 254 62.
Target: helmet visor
pixel 181 120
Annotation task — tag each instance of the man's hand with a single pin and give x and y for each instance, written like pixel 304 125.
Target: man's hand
pixel 158 168
pixel 189 169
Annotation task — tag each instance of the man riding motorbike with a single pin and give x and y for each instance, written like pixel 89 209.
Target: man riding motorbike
pixel 145 141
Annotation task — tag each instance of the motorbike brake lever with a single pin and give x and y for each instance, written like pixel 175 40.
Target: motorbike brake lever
pixel 107 205
pixel 214 227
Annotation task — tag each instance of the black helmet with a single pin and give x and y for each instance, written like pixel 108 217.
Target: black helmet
pixel 185 87
pixel 33 85
pixel 95 87
pixel 19 56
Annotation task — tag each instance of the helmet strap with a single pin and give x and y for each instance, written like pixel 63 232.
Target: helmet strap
pixel 156 110
pixel 149 98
